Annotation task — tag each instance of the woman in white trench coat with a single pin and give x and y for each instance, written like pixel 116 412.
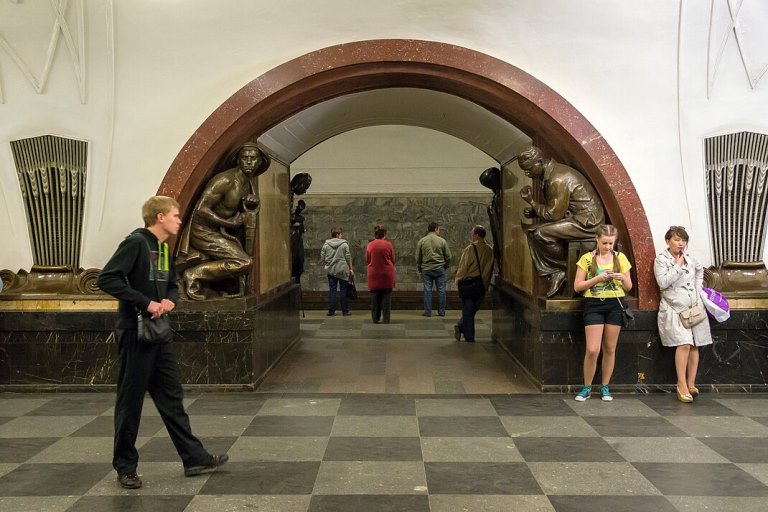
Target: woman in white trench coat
pixel 680 279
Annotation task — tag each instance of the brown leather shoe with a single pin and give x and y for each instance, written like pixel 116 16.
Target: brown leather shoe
pixel 129 480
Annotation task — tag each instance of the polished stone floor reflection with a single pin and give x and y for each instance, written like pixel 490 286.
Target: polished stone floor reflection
pixel 411 354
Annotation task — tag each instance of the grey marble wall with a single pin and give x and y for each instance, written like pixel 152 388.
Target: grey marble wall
pixel 406 218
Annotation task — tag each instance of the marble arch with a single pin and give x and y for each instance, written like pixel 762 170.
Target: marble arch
pixel 552 122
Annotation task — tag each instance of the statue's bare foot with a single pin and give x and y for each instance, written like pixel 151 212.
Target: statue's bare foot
pixel 556 280
pixel 192 286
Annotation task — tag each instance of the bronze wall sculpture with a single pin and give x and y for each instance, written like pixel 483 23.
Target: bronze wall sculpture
pixel 216 246
pixel 570 211
pixel 491 178
pixel 737 177
pixel 299 185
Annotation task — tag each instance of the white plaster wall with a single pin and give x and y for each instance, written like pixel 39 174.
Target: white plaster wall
pixel 175 62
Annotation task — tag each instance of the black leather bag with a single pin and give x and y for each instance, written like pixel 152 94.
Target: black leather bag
pixel 471 287
pixel 351 288
pixel 627 315
pixel 153 331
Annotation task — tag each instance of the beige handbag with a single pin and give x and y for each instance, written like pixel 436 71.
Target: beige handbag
pixel 692 316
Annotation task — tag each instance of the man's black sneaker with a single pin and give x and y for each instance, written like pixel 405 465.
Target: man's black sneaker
pixel 129 480
pixel 216 460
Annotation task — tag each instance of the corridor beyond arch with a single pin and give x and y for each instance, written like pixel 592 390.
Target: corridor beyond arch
pixel 552 122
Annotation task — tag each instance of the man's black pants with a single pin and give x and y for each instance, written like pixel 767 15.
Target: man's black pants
pixel 150 367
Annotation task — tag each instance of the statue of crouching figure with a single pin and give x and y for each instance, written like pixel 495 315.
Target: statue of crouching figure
pixel 215 248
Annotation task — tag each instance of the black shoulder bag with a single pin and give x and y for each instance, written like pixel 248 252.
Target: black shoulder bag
pixel 157 330
pixel 472 287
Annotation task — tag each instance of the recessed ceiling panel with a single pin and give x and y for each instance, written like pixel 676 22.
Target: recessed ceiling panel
pixel 396 106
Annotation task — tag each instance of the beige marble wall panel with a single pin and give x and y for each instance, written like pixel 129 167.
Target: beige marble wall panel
pixel 518 265
pixel 274 228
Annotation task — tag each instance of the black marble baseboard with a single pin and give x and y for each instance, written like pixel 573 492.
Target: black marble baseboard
pixel 223 348
pixel 550 345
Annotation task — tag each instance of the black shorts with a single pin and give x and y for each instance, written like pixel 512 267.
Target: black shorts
pixel 597 311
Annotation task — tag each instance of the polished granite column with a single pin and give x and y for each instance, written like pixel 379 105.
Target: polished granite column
pixel 231 344
pixel 549 343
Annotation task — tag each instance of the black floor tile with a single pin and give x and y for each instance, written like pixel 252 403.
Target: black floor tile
pixel 739 449
pixel 377 406
pixel 74 407
pixel 633 426
pixel 566 449
pixel 369 503
pixel 611 503
pixel 290 426
pixel 531 405
pixel 161 449
pixel 52 479
pixel 461 426
pixel 373 449
pixel 21 449
pixel 700 479
pixel 263 478
pixel 670 406
pixel 480 478
pixel 131 503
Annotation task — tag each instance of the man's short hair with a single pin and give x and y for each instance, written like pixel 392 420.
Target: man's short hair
pixel 335 232
pixel 432 226
pixel 479 231
pixel 156 205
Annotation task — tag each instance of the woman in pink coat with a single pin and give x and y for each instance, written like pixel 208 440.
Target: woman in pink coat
pixel 380 257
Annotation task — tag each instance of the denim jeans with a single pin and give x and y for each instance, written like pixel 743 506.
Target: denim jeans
pixel 332 282
pixel 467 321
pixel 429 277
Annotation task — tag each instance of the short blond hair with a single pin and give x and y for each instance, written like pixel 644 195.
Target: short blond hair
pixel 156 205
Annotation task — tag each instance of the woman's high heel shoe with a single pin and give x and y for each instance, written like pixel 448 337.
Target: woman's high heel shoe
pixel 694 391
pixel 685 398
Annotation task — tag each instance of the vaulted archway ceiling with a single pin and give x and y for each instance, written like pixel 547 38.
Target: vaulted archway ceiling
pixel 423 108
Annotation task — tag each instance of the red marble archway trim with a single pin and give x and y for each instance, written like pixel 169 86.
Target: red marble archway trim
pixel 509 92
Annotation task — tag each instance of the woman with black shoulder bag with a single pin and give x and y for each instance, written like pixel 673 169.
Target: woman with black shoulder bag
pixel 602 276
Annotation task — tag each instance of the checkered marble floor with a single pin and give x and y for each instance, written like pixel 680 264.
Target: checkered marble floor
pixel 397 452
pixel 412 354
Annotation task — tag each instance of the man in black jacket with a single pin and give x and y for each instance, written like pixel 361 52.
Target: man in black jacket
pixel 141 276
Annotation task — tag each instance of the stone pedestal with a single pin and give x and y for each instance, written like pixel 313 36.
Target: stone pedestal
pixel 220 344
pixel 549 343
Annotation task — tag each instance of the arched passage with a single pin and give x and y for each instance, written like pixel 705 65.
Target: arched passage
pixel 509 92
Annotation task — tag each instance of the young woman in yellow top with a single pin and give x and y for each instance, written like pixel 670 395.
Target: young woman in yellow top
pixel 602 276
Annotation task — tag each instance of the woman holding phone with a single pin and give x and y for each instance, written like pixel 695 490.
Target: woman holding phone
pixel 680 278
pixel 602 276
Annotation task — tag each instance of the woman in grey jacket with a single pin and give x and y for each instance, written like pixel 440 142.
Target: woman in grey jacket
pixel 337 261
pixel 680 278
